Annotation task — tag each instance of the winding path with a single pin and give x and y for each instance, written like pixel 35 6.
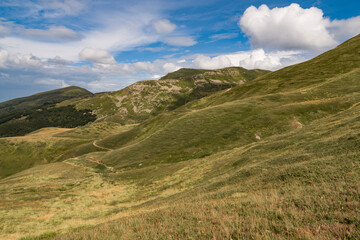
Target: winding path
pixel 97 146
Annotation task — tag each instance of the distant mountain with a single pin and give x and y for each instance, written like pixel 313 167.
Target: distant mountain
pixel 133 104
pixel 145 99
pixel 44 98
pixel 23 115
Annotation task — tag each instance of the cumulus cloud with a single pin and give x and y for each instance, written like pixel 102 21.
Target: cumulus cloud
pixel 181 41
pixel 163 26
pixel 59 60
pixel 96 56
pixel 4 55
pixel 290 27
pixel 344 29
pixel 24 61
pixel 170 67
pixel 249 59
pixel 156 76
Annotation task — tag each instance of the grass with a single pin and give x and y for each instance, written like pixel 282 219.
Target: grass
pixel 20 153
pixel 289 186
pixel 51 144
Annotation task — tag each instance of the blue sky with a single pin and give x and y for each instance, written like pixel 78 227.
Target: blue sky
pixel 106 45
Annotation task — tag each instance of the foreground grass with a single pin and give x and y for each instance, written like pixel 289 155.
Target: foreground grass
pixel 270 214
pixel 303 184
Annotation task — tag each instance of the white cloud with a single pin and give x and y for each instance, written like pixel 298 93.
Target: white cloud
pixel 96 56
pixel 170 67
pixel 183 41
pixel 123 31
pixel 163 26
pixel 344 29
pixel 24 61
pixel 290 27
pixel 3 31
pixel 221 36
pixel 250 59
pixel 206 62
pixel 59 60
pixel 54 33
pixel 52 82
pixel 60 8
pixel 156 76
pixel 146 66
pixel 4 55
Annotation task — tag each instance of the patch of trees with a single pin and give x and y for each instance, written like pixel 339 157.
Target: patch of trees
pixel 21 123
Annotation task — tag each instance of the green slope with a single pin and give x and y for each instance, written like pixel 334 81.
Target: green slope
pixel 303 184
pixel 235 117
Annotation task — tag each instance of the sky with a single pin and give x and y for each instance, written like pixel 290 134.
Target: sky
pixel 106 45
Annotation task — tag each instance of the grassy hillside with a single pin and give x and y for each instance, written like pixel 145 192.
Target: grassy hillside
pixel 282 187
pixel 240 116
pixel 297 185
pixel 49 145
pixel 276 157
pixel 40 99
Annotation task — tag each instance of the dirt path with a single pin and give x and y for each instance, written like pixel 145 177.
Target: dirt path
pixel 97 146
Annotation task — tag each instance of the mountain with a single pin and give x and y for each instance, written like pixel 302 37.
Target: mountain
pixel 145 99
pixel 275 157
pixel 74 106
pixel 24 115
pixel 266 106
pixel 40 99
pixel 133 104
